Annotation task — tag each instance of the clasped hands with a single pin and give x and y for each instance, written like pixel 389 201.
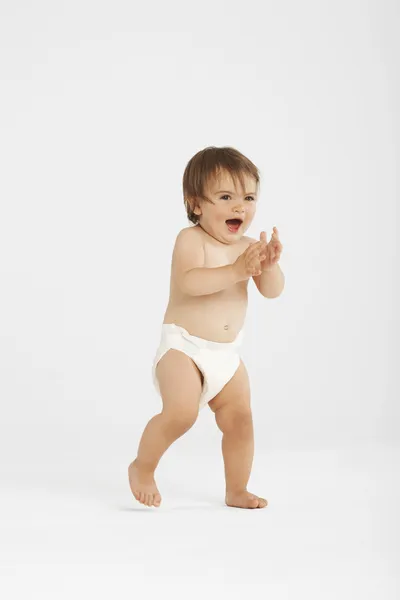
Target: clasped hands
pixel 260 256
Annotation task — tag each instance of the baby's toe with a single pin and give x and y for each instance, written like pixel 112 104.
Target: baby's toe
pixel 262 503
pixel 149 500
pixel 253 502
pixel 157 500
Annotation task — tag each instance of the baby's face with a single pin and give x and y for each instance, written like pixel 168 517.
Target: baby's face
pixel 232 211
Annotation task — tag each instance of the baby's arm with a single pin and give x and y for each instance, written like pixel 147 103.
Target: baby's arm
pixel 189 271
pixel 269 283
pixel 195 279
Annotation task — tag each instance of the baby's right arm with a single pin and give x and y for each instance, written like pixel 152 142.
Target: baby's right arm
pixel 195 279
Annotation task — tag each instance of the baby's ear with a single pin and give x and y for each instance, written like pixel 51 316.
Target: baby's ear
pixel 192 204
pixel 196 208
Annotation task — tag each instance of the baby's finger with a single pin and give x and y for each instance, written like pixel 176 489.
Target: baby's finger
pixel 254 249
pixel 254 262
pixel 256 255
pixel 254 266
pixel 278 246
pixel 263 246
pixel 251 247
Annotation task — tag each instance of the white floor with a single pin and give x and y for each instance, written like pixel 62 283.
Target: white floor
pixel 331 531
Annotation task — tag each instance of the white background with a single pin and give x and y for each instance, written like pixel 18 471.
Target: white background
pixel 102 105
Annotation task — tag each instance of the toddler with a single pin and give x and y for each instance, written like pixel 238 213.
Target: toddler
pixel 198 359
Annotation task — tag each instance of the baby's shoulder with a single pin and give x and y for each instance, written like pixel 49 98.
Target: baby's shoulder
pixel 190 232
pixel 188 239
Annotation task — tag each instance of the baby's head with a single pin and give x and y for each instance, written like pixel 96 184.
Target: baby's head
pixel 220 190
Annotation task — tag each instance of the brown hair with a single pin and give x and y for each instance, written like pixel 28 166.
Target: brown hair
pixel 209 163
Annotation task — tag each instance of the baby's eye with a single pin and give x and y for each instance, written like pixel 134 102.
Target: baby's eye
pixel 251 198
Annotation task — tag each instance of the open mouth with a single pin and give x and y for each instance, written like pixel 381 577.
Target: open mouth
pixel 233 224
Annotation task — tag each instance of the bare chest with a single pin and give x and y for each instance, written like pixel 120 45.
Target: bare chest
pixel 219 256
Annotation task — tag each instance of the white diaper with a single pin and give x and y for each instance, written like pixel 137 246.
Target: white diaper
pixel 217 361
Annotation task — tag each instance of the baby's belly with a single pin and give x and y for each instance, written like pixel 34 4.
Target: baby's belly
pixel 219 320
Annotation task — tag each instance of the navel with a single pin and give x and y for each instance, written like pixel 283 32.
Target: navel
pixel 226 327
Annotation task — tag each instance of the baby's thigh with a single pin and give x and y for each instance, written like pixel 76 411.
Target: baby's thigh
pixel 180 383
pixel 235 394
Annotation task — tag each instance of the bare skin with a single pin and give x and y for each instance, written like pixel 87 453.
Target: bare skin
pixel 180 387
pixel 233 416
pixel 211 267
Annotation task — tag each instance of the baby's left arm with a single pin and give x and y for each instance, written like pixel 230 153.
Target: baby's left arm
pixel 270 283
pixel 272 280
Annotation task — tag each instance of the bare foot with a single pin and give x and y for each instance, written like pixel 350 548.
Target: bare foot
pixel 143 486
pixel 244 500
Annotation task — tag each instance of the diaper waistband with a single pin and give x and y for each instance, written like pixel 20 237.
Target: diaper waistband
pixel 201 342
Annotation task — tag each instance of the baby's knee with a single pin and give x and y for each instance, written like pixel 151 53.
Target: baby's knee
pixel 180 421
pixel 238 421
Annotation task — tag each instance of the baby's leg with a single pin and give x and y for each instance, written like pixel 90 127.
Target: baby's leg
pixel 233 416
pixel 180 385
